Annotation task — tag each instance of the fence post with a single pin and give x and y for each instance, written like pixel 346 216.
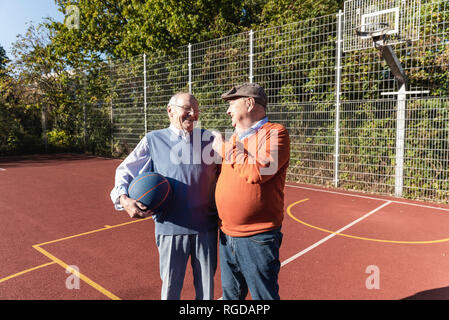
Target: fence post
pixel 251 38
pixel 112 106
pixel 400 141
pixel 145 91
pixel 337 97
pixel 190 66
pixel 83 93
pixel 44 126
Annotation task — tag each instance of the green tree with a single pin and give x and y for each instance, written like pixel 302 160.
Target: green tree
pixel 20 128
pixel 126 28
pixel 3 58
pixel 277 12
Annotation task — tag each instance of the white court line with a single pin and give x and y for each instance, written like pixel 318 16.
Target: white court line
pixel 316 244
pixel 367 197
pixel 320 242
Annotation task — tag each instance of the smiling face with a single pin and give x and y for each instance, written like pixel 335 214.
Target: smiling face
pixel 240 114
pixel 183 111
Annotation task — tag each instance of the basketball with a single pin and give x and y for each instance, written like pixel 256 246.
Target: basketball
pixel 151 189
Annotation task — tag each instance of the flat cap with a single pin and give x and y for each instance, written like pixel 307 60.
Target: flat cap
pixel 247 90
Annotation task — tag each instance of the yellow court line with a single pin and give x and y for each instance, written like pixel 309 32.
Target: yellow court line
pixel 26 271
pixel 65 266
pixel 78 274
pixel 93 231
pixel 356 237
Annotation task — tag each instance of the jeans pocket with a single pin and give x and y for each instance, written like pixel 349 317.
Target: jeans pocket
pixel 262 241
pixel 263 251
pixel 267 238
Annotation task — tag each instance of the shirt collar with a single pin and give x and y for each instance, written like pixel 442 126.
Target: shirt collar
pixel 179 132
pixel 253 129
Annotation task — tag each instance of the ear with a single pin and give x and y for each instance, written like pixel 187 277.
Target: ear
pixel 169 110
pixel 250 103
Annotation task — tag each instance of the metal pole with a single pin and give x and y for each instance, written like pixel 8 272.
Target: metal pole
pixel 400 134
pixel 44 126
pixel 251 38
pixel 83 92
pixel 145 91
pixel 337 97
pixel 112 107
pixel 190 66
pixel 400 141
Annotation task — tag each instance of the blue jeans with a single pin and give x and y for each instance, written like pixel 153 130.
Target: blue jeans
pixel 250 263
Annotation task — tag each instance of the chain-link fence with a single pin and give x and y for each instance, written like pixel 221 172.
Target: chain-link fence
pixel 340 108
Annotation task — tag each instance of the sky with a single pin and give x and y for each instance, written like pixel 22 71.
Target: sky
pixel 15 14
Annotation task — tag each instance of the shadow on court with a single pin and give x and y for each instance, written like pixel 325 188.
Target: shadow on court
pixel 432 294
pixel 41 160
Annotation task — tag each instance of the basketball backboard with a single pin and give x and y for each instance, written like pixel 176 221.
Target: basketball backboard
pixel 402 17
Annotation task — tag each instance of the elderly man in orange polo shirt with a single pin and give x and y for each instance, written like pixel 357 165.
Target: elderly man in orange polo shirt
pixel 250 196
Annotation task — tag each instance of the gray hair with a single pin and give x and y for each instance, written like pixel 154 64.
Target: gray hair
pixel 174 98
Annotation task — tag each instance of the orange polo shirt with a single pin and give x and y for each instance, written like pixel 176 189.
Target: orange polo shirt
pixel 250 189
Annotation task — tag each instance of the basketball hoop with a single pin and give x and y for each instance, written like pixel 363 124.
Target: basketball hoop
pixel 377 31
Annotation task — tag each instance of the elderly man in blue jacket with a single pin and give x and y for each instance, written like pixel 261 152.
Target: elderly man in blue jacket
pixel 187 226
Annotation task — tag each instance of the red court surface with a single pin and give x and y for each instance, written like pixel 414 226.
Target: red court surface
pixel 55 212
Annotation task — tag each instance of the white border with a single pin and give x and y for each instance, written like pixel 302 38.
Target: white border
pixel 381 12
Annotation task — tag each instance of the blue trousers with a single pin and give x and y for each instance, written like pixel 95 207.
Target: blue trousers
pixel 174 252
pixel 250 263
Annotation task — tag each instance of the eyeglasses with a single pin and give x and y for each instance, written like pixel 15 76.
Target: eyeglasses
pixel 189 109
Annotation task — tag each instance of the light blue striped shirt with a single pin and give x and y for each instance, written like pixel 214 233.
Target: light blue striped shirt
pixel 253 129
pixel 178 157
pixel 138 161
